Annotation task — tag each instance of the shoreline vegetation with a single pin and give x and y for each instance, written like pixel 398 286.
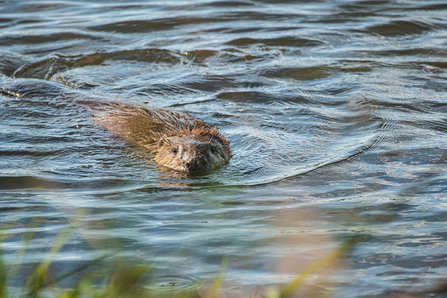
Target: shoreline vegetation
pixel 110 276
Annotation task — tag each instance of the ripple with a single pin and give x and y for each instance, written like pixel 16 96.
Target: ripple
pixel 34 7
pixel 146 26
pixel 48 38
pixel 174 283
pixel 56 64
pixel 299 73
pixel 402 28
pixel 289 41
pixel 17 183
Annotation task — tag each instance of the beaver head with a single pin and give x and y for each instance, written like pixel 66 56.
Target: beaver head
pixel 193 149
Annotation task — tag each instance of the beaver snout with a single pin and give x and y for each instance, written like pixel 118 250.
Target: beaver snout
pixel 194 164
pixel 192 153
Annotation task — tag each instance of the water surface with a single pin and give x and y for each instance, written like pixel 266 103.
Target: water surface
pixel 336 112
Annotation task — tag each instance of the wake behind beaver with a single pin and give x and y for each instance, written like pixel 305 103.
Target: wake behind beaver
pixel 178 141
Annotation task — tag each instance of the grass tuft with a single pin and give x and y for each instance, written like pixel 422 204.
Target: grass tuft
pixel 107 276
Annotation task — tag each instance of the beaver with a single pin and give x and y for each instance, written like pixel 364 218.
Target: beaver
pixel 177 140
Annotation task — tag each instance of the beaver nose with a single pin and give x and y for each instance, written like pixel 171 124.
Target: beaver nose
pixel 192 165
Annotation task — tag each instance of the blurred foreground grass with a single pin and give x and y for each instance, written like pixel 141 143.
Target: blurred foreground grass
pixel 109 276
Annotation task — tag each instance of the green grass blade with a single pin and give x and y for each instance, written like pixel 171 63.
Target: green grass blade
pixel 19 256
pixel 217 282
pixel 37 280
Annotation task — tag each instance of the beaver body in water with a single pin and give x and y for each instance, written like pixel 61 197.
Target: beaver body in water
pixel 177 140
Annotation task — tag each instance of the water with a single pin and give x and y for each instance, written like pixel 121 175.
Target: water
pixel 336 112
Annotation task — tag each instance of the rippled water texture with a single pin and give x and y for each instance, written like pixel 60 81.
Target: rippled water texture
pixel 336 112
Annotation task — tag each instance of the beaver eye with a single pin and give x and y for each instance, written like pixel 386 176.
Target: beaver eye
pixel 174 150
pixel 213 150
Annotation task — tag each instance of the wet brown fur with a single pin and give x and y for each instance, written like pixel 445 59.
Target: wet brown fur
pixel 201 131
pixel 160 130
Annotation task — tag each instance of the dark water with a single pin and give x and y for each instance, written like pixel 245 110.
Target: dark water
pixel 336 112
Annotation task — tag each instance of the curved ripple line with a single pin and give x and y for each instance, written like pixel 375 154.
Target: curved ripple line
pixel 401 28
pixel 47 67
pixel 366 145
